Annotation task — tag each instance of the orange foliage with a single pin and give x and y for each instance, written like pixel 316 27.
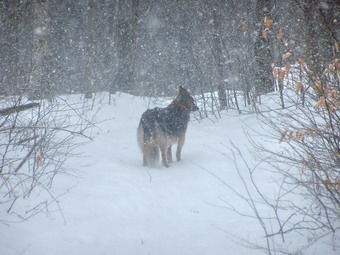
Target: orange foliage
pixel 244 27
pixel 298 86
pixel 286 55
pixel 268 22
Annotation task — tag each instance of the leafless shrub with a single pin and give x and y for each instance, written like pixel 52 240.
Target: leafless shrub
pixel 300 148
pixel 35 141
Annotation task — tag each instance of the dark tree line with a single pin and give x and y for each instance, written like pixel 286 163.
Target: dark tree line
pixel 151 47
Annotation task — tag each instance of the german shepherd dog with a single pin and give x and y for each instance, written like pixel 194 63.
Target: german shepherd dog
pixel 159 128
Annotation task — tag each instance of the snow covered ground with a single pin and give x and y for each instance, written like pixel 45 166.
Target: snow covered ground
pixel 117 206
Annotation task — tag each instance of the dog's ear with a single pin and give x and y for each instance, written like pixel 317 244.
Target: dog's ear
pixel 182 91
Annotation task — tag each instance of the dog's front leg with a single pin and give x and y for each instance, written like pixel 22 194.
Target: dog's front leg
pixel 164 156
pixel 180 143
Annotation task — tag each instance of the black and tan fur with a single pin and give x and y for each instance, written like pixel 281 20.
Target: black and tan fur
pixel 159 128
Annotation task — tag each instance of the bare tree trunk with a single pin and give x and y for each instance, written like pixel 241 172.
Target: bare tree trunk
pixel 40 48
pixel 263 54
pixel 219 58
pixel 127 24
pixel 90 49
pixel 319 35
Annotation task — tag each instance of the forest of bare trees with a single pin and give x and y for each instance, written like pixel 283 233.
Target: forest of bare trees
pixel 238 49
pixel 151 47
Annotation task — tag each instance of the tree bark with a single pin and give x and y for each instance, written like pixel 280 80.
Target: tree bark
pixel 320 34
pixel 126 36
pixel 90 49
pixel 40 48
pixel 263 54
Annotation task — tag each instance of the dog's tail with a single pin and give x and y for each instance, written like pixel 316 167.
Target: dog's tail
pixel 140 136
pixel 147 145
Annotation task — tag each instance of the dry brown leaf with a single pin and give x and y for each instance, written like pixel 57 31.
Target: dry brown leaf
pixel 311 133
pixel 320 103
pixel 329 69
pixel 326 92
pixel 337 184
pixel 298 135
pixel 286 55
pixel 301 61
pixel 298 86
pixel 276 71
pixel 286 44
pixel 334 94
pixel 290 134
pixel 287 67
pixel 282 75
pixel 318 84
pixel 332 184
pixel 39 160
pixel 268 22
pixel 309 71
pixel 337 64
pixel 264 35
pixel 280 34
pixel 337 103
pixel 244 27
pixel 283 135
pixel 337 47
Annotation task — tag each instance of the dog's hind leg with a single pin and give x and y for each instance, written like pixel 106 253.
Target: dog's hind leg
pixel 146 154
pixel 180 143
pixel 150 154
pixel 155 155
pixel 145 161
pixel 143 144
pixel 169 154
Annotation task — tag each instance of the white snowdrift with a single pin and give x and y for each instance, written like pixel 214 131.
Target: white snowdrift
pixel 116 206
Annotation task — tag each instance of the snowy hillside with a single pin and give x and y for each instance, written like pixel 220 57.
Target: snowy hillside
pixel 117 206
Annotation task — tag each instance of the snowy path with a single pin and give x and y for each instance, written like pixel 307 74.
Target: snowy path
pixel 119 207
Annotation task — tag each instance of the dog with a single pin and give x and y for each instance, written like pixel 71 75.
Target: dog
pixel 159 128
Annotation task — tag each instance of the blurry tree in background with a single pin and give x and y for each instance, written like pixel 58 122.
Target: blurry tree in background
pixel 38 77
pixel 144 47
pixel 321 32
pixel 126 39
pixel 262 47
pixel 90 49
pixel 151 47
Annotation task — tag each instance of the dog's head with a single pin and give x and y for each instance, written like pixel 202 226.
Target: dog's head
pixel 184 98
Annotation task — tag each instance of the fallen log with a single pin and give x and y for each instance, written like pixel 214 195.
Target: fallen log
pixel 17 108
